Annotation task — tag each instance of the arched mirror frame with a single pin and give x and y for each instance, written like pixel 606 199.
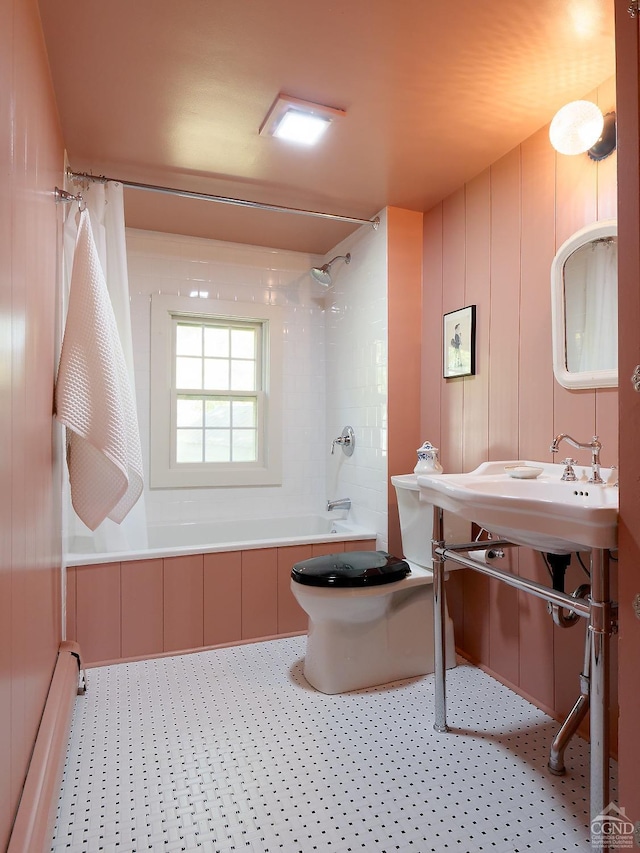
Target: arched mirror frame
pixel 586 379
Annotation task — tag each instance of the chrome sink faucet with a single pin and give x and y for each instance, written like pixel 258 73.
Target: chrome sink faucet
pixel 594 446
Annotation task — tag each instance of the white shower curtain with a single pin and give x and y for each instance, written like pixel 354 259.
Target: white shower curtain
pixel 600 340
pixel 105 203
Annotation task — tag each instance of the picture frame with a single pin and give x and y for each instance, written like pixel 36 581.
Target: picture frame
pixel 459 342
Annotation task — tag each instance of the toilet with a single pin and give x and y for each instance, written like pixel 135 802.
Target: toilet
pixel 371 614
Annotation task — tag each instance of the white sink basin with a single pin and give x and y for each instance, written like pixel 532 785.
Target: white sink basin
pixel 544 513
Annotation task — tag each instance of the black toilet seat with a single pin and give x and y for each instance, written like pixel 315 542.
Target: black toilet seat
pixel 350 569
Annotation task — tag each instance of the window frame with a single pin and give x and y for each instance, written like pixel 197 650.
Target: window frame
pixel 165 471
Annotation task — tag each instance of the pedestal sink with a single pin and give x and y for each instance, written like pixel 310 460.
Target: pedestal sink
pixel 550 515
pixel 543 512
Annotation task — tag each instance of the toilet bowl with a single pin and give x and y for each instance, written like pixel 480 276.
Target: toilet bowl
pixel 370 614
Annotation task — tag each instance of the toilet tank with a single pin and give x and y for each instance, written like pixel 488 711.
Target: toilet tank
pixel 416 522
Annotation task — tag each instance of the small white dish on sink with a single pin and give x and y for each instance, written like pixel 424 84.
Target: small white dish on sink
pixel 523 472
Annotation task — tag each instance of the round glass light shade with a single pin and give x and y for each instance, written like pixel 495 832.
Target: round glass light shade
pixel 576 127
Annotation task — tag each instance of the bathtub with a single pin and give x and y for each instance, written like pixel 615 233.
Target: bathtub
pixel 175 540
pixel 198 585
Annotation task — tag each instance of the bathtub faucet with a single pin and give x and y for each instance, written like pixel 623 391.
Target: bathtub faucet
pixel 340 503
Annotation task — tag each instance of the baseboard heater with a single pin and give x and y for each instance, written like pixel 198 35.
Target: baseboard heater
pixel 33 826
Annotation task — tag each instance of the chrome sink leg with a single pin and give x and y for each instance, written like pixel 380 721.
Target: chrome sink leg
pixel 575 717
pixel 439 624
pixel 601 627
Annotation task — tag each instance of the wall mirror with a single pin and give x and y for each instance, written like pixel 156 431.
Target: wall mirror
pixel 584 308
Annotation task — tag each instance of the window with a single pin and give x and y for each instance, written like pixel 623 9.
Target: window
pixel 215 394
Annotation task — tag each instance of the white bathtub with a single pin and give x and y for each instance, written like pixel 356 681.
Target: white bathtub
pixel 173 540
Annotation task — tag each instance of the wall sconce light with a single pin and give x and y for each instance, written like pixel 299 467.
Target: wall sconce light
pixel 580 126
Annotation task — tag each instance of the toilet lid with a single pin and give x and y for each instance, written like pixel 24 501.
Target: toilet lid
pixel 350 568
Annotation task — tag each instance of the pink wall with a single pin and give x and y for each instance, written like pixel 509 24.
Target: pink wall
pixel 404 260
pixel 31 161
pixel 491 243
pixel 628 88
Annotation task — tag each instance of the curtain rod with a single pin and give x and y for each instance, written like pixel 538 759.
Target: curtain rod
pixel 238 202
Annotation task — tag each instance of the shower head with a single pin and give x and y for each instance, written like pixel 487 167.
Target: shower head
pixel 323 275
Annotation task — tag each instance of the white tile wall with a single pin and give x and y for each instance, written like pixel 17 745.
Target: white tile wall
pixel 335 347
pixel 356 335
pixel 168 264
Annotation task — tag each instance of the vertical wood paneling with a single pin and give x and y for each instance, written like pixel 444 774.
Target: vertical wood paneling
pixel 607 423
pixel 628 91
pixel 259 593
pixel 537 200
pixel 319 549
pixel 576 206
pixel 20 250
pixel 142 602
pixel 98 611
pixel 71 627
pixel 476 626
pixel 222 598
pixel 360 545
pixel 475 434
pixel 291 617
pixel 536 380
pixel 453 280
pixel 8 801
pixel 605 97
pixel 536 635
pixel 31 158
pixel 183 603
pixel 431 378
pixel 404 309
pixel 504 388
pixel 505 307
pixel 568 649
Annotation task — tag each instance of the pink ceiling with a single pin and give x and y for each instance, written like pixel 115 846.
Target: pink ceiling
pixel 173 93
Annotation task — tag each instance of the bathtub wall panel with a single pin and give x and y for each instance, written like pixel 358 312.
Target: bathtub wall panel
pixel 98 611
pixel 521 210
pixel 142 608
pixel 183 602
pixel 141 584
pixel 222 591
pixel 291 617
pixel 259 593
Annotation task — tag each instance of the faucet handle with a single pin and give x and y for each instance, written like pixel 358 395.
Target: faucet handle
pixel 569 475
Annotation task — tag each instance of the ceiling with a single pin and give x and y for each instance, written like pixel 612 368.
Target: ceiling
pixel 173 92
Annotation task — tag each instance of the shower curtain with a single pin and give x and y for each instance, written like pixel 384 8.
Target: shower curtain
pixel 105 203
pixel 600 339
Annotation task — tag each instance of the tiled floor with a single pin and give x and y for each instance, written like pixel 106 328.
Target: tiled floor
pixel 231 750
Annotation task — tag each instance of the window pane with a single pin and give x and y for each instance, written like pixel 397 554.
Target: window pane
pixel 189 412
pixel 217 445
pixel 243 375
pixel 188 339
pixel 244 445
pixel 216 342
pixel 243 343
pixel 189 445
pixel 188 372
pixel 216 373
pixel 244 413
pixel 217 413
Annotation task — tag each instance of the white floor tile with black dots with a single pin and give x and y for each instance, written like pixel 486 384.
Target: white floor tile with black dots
pixel 231 750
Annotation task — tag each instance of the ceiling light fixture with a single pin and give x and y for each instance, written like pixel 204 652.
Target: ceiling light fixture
pixel 298 121
pixel 580 126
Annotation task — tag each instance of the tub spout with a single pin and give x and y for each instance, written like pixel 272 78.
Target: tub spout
pixel 340 503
